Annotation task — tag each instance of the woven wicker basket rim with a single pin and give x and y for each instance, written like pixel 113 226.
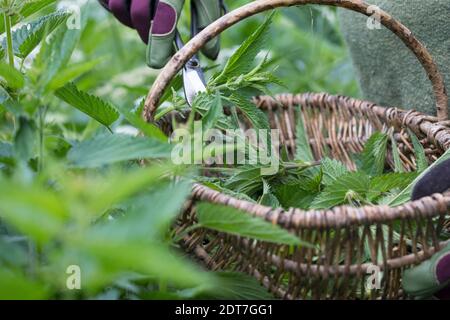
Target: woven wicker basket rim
pixel 343 216
pixel 195 44
pixel 339 216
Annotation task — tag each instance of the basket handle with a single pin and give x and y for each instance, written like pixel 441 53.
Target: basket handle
pixel 252 8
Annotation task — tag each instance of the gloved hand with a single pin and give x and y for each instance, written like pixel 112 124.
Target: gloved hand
pixel 156 21
pixel 432 277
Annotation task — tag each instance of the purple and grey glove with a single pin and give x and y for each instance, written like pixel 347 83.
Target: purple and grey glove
pixel 156 21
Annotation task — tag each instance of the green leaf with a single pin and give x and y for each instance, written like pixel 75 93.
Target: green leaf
pixel 398 166
pixel 215 110
pixel 419 152
pixel 229 220
pixel 243 59
pixel 13 78
pixel 332 169
pixel 294 196
pixel 72 72
pixel 6 152
pixel 351 186
pixel 268 198
pixel 108 149
pixel 303 150
pixel 15 286
pixel 148 258
pixel 246 181
pixel 4 95
pixel 148 129
pixel 25 139
pixel 387 182
pixel 34 211
pixel 405 195
pixel 27 37
pixel 93 106
pixel 168 198
pixel 12 253
pixel 374 154
pixel 119 186
pixel 53 57
pixel 393 180
pixel 27 10
pixel 234 286
pixel 255 115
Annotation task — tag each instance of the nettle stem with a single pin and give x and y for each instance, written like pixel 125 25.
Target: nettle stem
pixel 9 41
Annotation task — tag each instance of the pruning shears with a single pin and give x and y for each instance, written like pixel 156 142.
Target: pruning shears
pixel 193 76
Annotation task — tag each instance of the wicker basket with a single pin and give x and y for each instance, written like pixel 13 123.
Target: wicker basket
pixel 337 266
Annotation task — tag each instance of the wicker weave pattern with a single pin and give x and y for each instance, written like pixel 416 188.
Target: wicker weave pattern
pixel 337 268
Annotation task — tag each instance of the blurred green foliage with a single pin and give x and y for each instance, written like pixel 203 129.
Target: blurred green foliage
pixel 63 204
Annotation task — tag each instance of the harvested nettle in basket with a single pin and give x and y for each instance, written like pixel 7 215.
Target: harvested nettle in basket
pixel 334 217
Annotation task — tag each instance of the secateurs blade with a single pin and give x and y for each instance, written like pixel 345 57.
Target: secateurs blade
pixel 193 77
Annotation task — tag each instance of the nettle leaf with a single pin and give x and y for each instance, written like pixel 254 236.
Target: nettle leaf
pixel 351 186
pixel 419 152
pixel 294 196
pixel 332 170
pixel 226 219
pixel 148 129
pixel 243 59
pixel 108 149
pixel 27 37
pixel 303 150
pixel 215 110
pixel 32 210
pixel 54 56
pixel 374 154
pixel 255 115
pixel 27 10
pixel 202 105
pixel 268 198
pixel 405 194
pixel 16 286
pixel 4 95
pixel 93 106
pixel 6 152
pixel 154 259
pixel 235 286
pixel 168 197
pixel 120 185
pixel 13 78
pixel 246 181
pixel 398 166
pixel 72 72
pixel 387 182
pixel 25 139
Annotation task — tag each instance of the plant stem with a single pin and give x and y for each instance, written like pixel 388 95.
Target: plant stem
pixel 9 39
pixel 165 111
pixel 42 112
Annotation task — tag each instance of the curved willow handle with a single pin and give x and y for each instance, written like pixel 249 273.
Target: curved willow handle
pixel 252 8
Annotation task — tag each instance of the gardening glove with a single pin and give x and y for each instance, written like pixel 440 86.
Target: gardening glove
pixel 156 21
pixel 432 277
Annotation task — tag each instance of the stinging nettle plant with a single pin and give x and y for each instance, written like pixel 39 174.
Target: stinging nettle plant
pixel 72 188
